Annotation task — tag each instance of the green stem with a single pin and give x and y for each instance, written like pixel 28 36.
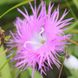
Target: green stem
pixel 20 4
pixel 5 71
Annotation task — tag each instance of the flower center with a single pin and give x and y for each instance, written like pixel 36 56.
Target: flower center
pixel 37 41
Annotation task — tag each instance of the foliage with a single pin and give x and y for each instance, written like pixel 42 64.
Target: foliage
pixel 8 14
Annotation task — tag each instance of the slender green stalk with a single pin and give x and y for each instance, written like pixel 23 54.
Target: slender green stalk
pixel 17 5
pixel 5 70
pixel 60 72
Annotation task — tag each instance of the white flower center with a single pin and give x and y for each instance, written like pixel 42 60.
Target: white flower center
pixel 37 41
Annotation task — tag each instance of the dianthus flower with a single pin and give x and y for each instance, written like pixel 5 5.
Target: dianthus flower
pixel 39 37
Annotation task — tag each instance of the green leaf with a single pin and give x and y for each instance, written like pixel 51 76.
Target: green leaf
pixel 76 3
pixel 36 74
pixel 4 67
pixel 16 6
pixel 47 2
pixel 71 28
pixel 25 74
pixel 74 74
pixel 71 10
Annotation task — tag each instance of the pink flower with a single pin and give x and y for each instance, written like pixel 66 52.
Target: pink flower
pixel 39 37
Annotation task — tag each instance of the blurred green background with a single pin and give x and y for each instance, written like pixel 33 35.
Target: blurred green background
pixel 7 69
